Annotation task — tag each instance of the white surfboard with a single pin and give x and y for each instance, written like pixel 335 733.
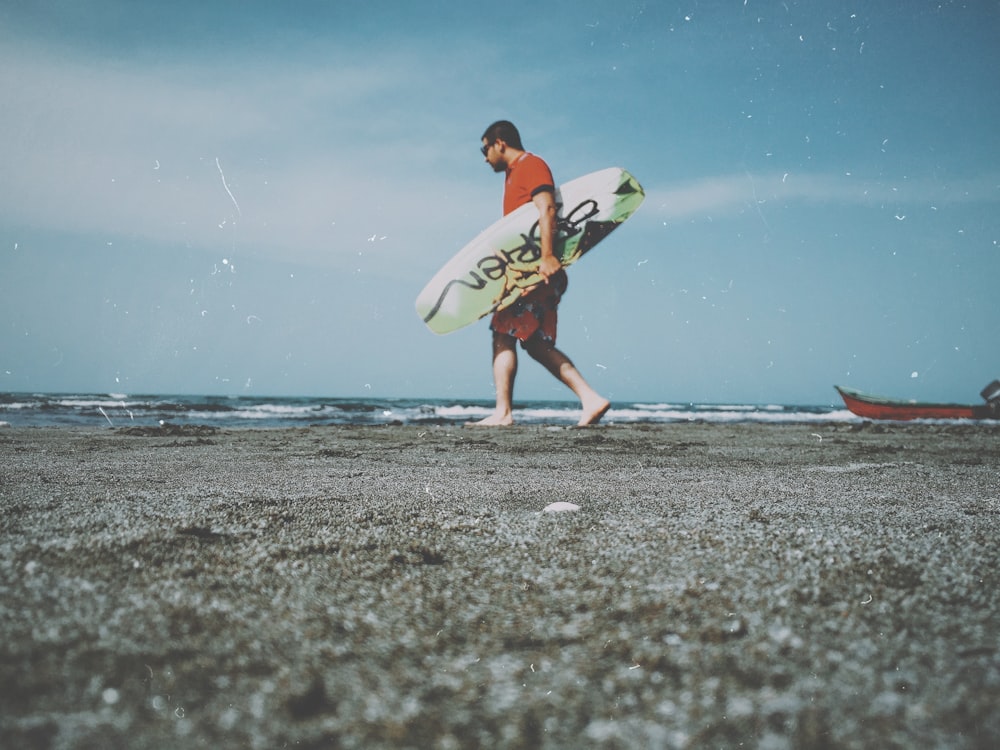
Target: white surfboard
pixel 500 264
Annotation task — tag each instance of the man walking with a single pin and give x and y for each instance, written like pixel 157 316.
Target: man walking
pixel 532 318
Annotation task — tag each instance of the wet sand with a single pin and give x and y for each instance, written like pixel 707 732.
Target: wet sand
pixel 770 586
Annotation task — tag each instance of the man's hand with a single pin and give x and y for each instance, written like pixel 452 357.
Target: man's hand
pixel 548 266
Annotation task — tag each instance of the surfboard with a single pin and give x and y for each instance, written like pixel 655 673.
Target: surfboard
pixel 501 263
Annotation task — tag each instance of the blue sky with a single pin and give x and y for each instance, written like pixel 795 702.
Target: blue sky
pixel 246 197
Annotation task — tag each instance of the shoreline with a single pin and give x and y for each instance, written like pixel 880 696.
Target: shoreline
pixel 776 585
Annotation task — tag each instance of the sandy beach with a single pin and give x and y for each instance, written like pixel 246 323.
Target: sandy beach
pixel 749 585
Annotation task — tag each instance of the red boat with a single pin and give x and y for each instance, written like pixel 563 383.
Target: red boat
pixel 878 407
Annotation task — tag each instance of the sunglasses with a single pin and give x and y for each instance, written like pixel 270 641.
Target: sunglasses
pixel 486 149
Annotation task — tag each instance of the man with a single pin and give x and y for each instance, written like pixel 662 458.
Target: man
pixel 532 318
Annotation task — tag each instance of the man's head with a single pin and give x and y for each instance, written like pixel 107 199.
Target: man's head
pixel 499 139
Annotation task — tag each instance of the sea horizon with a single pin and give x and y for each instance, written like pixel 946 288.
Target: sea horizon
pixel 31 409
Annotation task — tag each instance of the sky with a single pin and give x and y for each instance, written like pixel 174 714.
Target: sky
pixel 244 198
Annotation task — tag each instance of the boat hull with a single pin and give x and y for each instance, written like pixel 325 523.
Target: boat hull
pixel 877 407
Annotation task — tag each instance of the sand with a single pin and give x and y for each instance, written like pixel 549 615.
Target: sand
pixel 771 586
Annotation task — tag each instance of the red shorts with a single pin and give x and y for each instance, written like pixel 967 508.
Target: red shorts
pixel 535 312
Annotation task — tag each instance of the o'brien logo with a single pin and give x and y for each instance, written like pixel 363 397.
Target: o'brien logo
pixel 517 265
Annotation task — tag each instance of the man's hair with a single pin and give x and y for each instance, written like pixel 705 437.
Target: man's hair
pixel 505 131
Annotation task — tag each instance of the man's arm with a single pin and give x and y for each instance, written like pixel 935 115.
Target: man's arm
pixel 545 202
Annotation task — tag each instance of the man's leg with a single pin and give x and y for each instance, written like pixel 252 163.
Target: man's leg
pixel 594 405
pixel 504 371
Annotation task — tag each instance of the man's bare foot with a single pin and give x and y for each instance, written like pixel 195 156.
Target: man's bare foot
pixel 592 412
pixel 494 420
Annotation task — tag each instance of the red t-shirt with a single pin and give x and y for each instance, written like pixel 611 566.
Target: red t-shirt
pixel 526 178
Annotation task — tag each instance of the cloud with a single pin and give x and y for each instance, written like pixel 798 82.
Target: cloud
pixel 302 157
pixel 301 161
pixel 735 192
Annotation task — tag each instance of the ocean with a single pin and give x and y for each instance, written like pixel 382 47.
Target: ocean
pixel 121 410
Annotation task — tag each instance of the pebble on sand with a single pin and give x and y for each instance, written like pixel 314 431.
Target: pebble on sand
pixel 560 507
